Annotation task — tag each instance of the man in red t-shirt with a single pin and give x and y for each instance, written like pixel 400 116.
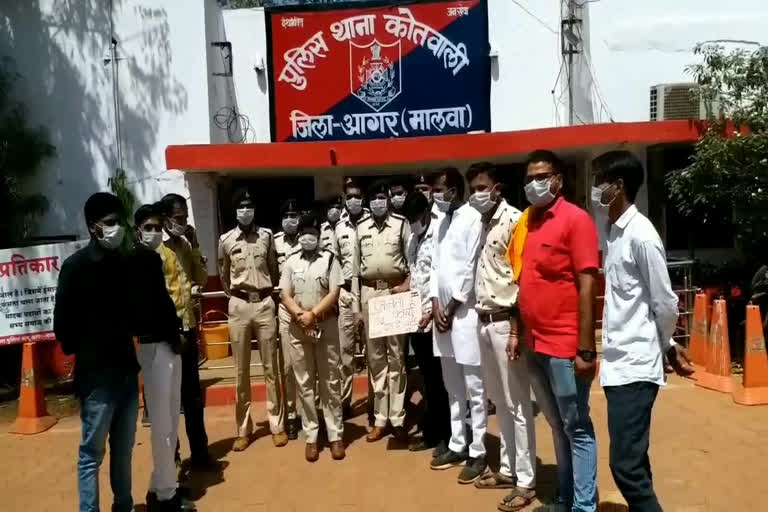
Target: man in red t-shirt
pixel 557 292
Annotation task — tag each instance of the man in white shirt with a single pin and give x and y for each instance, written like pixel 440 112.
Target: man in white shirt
pixel 506 373
pixel 452 289
pixel 436 425
pixel 639 319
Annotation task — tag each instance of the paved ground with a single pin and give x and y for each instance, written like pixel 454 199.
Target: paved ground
pixel 708 455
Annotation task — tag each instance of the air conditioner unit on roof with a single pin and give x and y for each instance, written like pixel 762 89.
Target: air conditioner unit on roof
pixel 681 101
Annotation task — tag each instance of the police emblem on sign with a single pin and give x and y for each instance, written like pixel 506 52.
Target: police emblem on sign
pixel 374 74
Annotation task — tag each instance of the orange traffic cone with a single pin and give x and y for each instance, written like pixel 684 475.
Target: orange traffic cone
pixel 699 346
pixel 33 417
pixel 718 371
pixel 754 388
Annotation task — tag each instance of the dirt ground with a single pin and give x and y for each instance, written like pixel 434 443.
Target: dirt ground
pixel 707 455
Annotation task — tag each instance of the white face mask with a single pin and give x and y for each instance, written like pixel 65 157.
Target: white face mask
pixel 308 242
pixel 442 205
pixel 379 207
pixel 354 205
pixel 398 201
pixel 290 226
pixel 598 208
pixel 111 236
pixel 176 229
pixel 151 239
pixel 418 228
pixel 538 193
pixel 245 216
pixel 334 214
pixel 481 201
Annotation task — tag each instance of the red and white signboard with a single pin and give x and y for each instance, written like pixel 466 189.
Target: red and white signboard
pixel 28 278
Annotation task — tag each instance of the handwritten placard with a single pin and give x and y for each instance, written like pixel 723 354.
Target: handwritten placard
pixel 28 278
pixel 390 315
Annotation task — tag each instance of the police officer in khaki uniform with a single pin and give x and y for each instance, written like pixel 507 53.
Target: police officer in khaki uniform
pixel 248 270
pixel 382 239
pixel 286 245
pixel 349 304
pixel 309 290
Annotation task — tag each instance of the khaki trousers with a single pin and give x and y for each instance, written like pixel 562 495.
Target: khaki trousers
pixel 386 367
pixel 316 366
pixel 249 320
pixel 289 391
pixel 348 334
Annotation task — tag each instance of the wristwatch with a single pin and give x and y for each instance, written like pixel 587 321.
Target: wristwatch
pixel 587 355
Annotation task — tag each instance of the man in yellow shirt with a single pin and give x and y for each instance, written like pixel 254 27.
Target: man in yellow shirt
pixel 181 238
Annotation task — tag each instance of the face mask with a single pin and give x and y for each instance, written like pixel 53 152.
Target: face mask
pixel 151 239
pixel 334 214
pixel 308 242
pixel 481 201
pixel 597 200
pixel 245 216
pixel 112 236
pixel 354 205
pixel 442 205
pixel 290 226
pixel 418 228
pixel 398 201
pixel 176 229
pixel 379 207
pixel 538 193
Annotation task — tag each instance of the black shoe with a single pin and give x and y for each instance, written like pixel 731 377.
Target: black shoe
pixel 448 460
pixel 420 445
pixel 474 469
pixel 292 429
pixel 440 449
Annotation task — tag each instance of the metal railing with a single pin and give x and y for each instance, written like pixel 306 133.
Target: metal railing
pixel 681 274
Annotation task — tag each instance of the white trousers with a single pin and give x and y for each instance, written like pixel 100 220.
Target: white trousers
pixel 161 373
pixel 462 382
pixel 508 386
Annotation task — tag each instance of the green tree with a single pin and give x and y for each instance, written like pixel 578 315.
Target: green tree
pixel 23 149
pixel 729 168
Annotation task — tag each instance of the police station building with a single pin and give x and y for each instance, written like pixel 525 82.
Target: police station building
pixel 197 98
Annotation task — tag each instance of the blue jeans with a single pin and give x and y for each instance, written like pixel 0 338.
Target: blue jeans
pixel 108 411
pixel 564 400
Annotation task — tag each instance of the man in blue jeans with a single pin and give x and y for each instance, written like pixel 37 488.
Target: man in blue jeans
pixel 557 292
pixel 639 319
pixel 93 321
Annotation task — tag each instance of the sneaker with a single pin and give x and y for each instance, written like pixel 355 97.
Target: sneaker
pixel 448 460
pixel 474 469
pixel 440 449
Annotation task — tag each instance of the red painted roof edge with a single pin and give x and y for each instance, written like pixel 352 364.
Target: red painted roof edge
pixel 381 152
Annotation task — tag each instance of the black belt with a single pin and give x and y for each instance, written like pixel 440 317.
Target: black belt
pixel 498 316
pixel 382 284
pixel 256 296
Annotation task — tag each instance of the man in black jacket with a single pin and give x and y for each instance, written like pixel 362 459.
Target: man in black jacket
pixel 160 343
pixel 93 320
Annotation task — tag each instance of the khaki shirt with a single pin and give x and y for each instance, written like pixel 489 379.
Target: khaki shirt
pixel 328 238
pixel 382 248
pixel 494 286
pixel 309 279
pixel 247 262
pixel 285 248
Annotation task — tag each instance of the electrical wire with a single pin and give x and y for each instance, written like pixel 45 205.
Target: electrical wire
pixel 235 123
pixel 529 13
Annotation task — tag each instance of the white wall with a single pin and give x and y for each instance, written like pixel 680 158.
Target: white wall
pixel 59 48
pixel 643 43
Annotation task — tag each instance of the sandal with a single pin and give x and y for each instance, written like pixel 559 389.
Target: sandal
pixel 518 499
pixel 493 480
